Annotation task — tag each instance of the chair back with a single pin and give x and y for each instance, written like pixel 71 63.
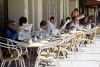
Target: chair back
pixel 93 34
pixel 53 44
pixel 9 46
pixel 78 38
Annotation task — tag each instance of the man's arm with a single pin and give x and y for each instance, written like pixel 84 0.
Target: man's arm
pixel 10 35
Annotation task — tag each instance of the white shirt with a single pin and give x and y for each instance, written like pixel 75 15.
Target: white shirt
pixel 51 27
pixel 40 29
pixel 75 25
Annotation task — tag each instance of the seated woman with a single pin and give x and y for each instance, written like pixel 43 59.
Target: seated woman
pixel 92 22
pixel 86 19
pixel 22 20
pixel 43 25
pixel 9 32
pixel 63 21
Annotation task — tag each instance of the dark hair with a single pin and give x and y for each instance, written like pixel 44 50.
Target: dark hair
pixel 74 18
pixel 68 18
pixel 62 21
pixel 76 9
pixel 52 18
pixel 42 23
pixel 22 20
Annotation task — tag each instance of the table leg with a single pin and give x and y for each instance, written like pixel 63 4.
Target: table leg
pixel 33 55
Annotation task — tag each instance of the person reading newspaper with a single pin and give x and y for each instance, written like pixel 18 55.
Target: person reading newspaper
pixel 25 34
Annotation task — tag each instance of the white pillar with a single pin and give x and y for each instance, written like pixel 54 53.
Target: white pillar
pixel 89 11
pixel 59 11
pixel 26 8
pixel 33 14
pixel 45 10
pixel 77 3
pixel 66 8
pixel 39 12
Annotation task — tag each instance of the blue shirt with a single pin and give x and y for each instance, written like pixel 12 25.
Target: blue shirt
pixel 66 28
pixel 93 24
pixel 11 34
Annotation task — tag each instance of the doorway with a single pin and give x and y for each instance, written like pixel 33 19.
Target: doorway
pixel 3 14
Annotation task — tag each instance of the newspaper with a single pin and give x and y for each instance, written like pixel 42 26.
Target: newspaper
pixel 64 26
pixel 80 16
pixel 25 34
pixel 56 31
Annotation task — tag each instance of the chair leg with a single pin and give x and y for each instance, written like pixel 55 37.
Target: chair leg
pixel 74 52
pixel 36 63
pixel 2 63
pixel 64 55
pixel 79 50
pixel 90 45
pixel 23 63
pixel 57 63
pixel 70 60
pixel 9 63
pixel 93 45
pixel 16 63
pixel 69 57
pixel 19 63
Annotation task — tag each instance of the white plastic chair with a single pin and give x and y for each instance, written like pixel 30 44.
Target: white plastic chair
pixel 49 58
pixel 90 40
pixel 64 49
pixel 12 58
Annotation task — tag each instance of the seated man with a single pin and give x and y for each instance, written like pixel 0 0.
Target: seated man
pixel 51 25
pixel 9 32
pixel 74 23
pixel 43 25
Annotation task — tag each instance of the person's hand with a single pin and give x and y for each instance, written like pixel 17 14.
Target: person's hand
pixel 60 28
pixel 32 36
pixel 20 30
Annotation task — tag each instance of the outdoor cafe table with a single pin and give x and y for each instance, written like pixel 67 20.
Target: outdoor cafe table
pixel 35 45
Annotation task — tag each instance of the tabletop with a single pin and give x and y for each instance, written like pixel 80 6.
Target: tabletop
pixel 42 42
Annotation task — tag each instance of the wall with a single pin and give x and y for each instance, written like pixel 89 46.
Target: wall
pixel 45 10
pixel 15 10
pixel 66 8
pixel 31 13
pixel 37 10
pixel 72 5
pixel 59 12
